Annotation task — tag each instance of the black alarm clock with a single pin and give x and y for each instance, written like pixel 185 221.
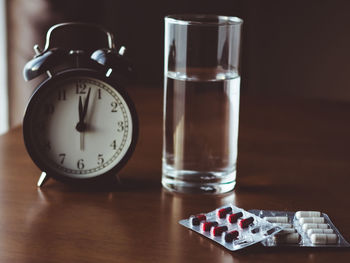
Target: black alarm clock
pixel 80 124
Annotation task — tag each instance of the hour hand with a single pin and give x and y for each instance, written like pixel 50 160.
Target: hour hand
pixel 80 127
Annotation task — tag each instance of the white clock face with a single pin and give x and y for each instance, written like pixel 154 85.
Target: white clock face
pixel 81 127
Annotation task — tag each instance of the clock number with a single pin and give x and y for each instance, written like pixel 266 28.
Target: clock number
pixel 100 159
pixel 49 109
pixel 80 88
pixel 114 105
pixel 120 126
pixel 99 94
pixel 114 145
pixel 63 156
pixel 62 94
pixel 80 164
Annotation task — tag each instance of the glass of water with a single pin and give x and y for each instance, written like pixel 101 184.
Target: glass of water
pixel 201 103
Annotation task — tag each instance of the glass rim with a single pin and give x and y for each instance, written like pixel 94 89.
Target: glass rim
pixel 203 20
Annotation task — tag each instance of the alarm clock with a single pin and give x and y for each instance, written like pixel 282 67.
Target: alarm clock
pixel 80 125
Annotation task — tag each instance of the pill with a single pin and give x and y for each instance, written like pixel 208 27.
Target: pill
pixel 307 226
pixel 230 236
pixel 283 225
pixel 218 230
pixel 322 239
pixel 319 231
pixel 317 220
pixel 232 218
pixel 205 226
pixel 288 230
pixel 292 238
pixel 195 220
pixel 300 214
pixel 221 213
pixel 244 223
pixel 276 219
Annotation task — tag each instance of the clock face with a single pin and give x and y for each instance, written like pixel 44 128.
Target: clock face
pixel 79 127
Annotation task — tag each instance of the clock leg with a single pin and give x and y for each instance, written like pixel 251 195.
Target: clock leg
pixel 42 180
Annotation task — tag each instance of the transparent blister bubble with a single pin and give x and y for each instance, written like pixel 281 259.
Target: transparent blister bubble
pixel 330 235
pixel 254 230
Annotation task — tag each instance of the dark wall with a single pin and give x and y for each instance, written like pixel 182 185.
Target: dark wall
pixel 139 25
pixel 298 47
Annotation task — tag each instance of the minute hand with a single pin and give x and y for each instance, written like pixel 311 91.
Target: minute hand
pixel 86 103
pixel 80 108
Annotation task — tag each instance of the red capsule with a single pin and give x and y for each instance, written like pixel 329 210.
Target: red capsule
pixel 218 230
pixel 201 217
pixel 244 223
pixel 205 226
pixel 232 218
pixel 195 220
pixel 221 213
pixel 230 236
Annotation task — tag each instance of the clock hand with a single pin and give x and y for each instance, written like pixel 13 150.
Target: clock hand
pixel 86 104
pixel 81 116
pixel 80 127
pixel 82 141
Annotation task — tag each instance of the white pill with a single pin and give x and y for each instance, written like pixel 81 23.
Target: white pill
pixel 276 219
pixel 317 220
pixel 300 214
pixel 319 231
pixel 307 226
pixel 322 239
pixel 292 238
pixel 283 225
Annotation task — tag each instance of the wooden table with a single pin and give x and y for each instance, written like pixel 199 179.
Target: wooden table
pixel 293 155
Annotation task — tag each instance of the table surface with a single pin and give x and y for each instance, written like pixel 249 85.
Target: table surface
pixel 293 155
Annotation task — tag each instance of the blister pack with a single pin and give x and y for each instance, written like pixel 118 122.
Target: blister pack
pixel 232 227
pixel 302 229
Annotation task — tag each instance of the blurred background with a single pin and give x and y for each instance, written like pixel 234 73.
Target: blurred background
pixel 294 48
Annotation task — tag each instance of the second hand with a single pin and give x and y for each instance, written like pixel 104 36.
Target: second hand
pixel 82 141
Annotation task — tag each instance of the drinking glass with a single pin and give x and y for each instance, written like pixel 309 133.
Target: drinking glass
pixel 201 103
